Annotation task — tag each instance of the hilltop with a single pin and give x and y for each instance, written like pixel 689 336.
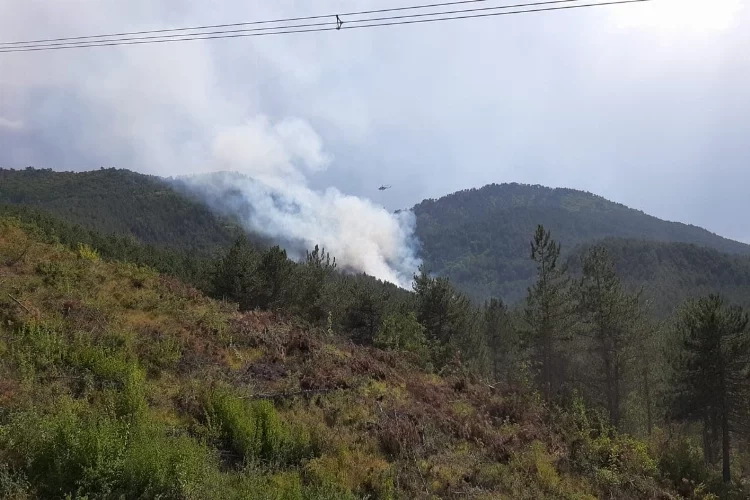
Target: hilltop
pixel 479 238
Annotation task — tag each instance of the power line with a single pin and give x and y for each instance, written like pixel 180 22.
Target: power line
pixel 374 22
pixel 331 23
pixel 250 23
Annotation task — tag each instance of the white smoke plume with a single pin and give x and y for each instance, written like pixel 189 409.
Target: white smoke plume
pixel 197 108
pixel 271 197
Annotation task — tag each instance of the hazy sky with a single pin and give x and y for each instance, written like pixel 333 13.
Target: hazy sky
pixel 648 105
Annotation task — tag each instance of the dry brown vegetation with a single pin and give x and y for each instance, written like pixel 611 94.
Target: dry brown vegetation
pixel 116 382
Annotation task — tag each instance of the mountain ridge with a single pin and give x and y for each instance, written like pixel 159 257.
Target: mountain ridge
pixel 476 237
pixel 479 237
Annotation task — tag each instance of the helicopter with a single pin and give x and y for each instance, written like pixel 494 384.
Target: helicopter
pixel 383 188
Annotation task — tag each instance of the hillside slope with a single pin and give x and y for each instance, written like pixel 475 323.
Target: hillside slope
pixel 480 237
pixel 148 389
pixel 122 202
pixel 670 273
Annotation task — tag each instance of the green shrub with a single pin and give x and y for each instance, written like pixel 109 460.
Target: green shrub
pixel 13 486
pixel 162 352
pixel 681 461
pixel 87 253
pixel 64 452
pixel 403 332
pixel 75 451
pixel 255 430
pixel 613 461
pixel 36 347
pixel 115 371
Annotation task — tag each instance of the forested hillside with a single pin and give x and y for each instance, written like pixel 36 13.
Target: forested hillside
pixel 122 202
pixel 479 237
pixel 670 273
pixel 295 381
pixel 121 383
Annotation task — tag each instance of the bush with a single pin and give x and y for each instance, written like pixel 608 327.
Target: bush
pixel 403 332
pixel 614 461
pixel 37 347
pixel 76 451
pixel 113 370
pixel 682 463
pixel 255 430
pixel 87 253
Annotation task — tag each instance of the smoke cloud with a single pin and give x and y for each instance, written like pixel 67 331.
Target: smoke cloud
pixel 195 109
pixel 269 193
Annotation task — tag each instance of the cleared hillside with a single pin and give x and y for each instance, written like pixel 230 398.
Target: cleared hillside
pixel 480 237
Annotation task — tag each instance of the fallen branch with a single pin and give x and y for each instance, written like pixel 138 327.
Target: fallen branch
pixel 19 303
pixel 291 394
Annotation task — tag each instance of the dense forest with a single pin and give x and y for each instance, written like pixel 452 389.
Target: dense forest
pixel 297 381
pixel 120 202
pixel 478 237
pixel 670 273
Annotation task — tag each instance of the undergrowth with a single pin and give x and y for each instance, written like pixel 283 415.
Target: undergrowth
pixel 117 382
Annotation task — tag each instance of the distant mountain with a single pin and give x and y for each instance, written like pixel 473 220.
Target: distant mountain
pixel 479 238
pixel 126 203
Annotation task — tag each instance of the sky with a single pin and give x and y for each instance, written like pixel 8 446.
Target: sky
pixel 644 104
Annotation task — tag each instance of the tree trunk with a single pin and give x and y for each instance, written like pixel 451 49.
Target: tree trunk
pixel 726 473
pixel 609 381
pixel 647 397
pixel 707 447
pixel 616 390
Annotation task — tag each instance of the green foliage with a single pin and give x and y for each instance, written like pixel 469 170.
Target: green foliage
pixel 37 347
pixel 254 429
pixel 711 373
pixel 404 333
pixel 502 341
pixel 118 201
pixel 479 237
pixel 70 450
pixel 614 461
pixel 88 253
pixel 609 317
pixel 450 323
pixel 548 313
pixel 670 273
pixel 236 276
pixel 146 385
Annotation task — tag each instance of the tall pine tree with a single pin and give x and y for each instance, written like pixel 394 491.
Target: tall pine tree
pixel 548 313
pixel 711 374
pixel 500 338
pixel 608 323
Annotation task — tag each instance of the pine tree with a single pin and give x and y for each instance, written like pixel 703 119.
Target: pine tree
pixel 450 322
pixel 363 312
pixel 313 276
pixel 711 374
pixel 548 314
pixel 275 272
pixel 235 275
pixel 608 317
pixel 500 337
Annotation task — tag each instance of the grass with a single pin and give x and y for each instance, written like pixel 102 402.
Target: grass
pixel 116 382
